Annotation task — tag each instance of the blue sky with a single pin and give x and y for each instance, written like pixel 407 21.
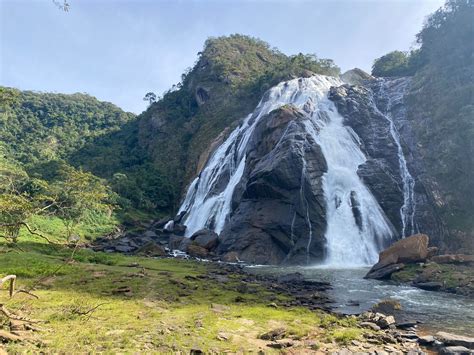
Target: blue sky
pixel 117 50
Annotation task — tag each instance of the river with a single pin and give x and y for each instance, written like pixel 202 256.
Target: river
pixel 438 311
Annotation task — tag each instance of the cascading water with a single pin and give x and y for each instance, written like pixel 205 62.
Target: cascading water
pixel 356 225
pixel 397 92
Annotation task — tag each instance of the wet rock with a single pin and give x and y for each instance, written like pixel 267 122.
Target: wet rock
pixel 179 217
pixel 456 340
pixel 205 238
pixel 384 272
pixel 431 286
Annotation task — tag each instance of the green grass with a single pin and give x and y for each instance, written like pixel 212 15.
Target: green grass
pixel 168 306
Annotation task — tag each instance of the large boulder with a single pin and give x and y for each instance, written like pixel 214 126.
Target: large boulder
pixel 271 222
pixel 205 238
pixel 408 250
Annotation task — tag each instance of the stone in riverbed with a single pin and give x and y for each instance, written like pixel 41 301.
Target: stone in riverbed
pixel 384 272
pixel 455 340
pixel 408 250
pixel 431 286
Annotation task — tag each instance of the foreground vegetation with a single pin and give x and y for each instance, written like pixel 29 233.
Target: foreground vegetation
pixel 113 303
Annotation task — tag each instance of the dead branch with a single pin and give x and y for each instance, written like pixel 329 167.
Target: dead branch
pixel 11 315
pixel 30 230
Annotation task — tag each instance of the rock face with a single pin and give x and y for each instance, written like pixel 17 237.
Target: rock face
pixel 368 110
pixel 270 223
pixel 409 250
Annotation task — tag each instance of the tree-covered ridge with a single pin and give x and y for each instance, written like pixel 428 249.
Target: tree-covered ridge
pixel 397 63
pixel 45 126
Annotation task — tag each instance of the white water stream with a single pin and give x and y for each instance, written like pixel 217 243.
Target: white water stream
pixel 407 211
pixel 356 225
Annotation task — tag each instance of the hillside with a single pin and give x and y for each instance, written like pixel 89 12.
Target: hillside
pixel 441 111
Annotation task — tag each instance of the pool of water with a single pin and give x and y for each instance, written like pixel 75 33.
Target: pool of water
pixel 352 294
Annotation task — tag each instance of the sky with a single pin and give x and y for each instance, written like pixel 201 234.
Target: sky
pixel 118 50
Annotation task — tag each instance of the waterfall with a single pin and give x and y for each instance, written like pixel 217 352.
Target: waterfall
pixel 407 210
pixel 356 225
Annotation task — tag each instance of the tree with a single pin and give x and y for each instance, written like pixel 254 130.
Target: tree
pixel 150 97
pixel 20 197
pixel 77 194
pixel 391 64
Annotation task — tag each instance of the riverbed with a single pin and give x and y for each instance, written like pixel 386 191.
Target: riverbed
pixel 352 294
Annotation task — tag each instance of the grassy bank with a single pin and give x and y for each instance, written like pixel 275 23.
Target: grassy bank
pixel 109 302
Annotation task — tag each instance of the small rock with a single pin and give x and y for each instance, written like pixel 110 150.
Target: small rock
pixel 384 322
pixel 455 350
pixel 370 325
pixel 272 305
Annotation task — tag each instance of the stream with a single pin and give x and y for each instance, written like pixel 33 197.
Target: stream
pixel 352 294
